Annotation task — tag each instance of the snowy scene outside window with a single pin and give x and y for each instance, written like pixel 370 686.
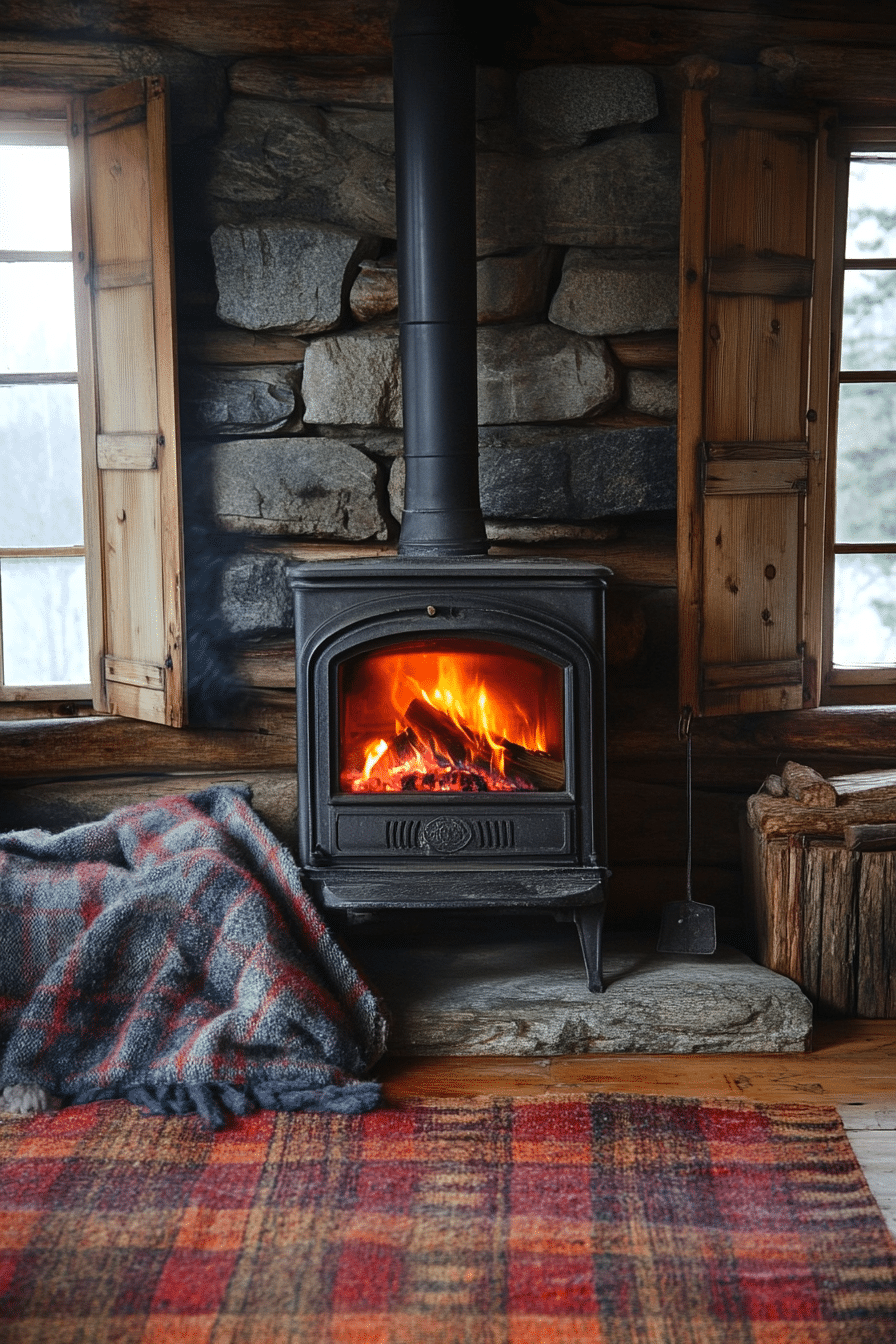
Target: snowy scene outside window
pixel 43 606
pixel 865 539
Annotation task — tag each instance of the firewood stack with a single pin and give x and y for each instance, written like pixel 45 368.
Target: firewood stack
pixel 821 876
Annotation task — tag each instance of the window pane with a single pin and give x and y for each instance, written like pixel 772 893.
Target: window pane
pixel 869 320
pixel 35 207
pixel 866 452
pixel 40 501
pixel 44 605
pixel 864 610
pixel 37 317
pixel 871 218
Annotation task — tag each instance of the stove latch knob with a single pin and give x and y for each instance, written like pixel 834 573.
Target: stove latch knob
pixel 430 611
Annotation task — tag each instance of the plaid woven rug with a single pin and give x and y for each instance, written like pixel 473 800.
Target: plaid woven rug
pixel 601 1219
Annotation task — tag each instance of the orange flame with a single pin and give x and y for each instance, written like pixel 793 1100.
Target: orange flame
pixel 456 730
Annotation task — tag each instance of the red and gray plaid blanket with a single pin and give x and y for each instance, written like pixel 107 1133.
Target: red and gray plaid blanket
pixel 169 954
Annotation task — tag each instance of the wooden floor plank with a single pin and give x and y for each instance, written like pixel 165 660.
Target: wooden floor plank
pixel 850 1064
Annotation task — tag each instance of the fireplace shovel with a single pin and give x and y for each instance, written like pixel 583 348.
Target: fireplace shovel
pixel 688 926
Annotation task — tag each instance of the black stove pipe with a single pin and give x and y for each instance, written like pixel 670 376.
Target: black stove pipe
pixel 435 172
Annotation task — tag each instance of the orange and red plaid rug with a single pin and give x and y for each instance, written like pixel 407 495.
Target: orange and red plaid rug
pixel 599 1219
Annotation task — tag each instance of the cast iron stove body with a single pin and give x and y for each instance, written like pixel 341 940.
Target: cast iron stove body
pixel 480 683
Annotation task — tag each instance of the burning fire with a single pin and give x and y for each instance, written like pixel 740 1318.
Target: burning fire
pixel 455 729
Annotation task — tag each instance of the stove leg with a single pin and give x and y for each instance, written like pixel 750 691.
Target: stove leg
pixel 590 923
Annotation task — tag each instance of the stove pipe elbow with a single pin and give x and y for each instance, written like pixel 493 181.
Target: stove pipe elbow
pixel 435 182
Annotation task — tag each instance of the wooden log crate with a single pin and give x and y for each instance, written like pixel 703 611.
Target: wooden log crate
pixel 820 859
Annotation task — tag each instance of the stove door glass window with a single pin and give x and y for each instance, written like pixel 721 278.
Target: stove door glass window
pixel 451 716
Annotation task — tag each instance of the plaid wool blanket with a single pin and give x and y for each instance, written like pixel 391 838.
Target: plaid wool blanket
pixel 168 954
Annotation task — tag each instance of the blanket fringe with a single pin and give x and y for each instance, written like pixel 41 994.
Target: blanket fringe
pixel 213 1101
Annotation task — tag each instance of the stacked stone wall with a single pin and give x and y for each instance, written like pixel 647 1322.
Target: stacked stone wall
pixel 577 208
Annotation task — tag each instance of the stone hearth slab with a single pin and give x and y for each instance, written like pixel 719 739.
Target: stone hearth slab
pixel 525 994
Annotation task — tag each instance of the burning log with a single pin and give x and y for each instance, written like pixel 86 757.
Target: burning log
pixel 536 766
pixel 465 748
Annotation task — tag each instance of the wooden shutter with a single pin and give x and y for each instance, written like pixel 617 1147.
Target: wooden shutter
pixel 756 253
pixel 126 356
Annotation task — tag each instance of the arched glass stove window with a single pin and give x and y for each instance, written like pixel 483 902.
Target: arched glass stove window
pixel 457 715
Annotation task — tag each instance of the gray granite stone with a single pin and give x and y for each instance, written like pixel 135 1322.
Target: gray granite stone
pixel 653 392
pixel 601 296
pixel 569 474
pixel 256 600
pixel 576 473
pixel 540 373
pixel 294 277
pixel 257 399
pixel 508 202
pixel 622 192
pixel 322 489
pixel 354 378
pixel 526 995
pixel 569 102
pixel 286 160
pixel 514 288
pixel 619 193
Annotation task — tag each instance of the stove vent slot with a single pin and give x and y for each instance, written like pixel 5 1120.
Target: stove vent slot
pixel 402 834
pixel 495 834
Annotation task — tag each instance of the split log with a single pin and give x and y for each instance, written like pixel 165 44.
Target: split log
pixel 871 839
pixel 784 817
pixel 807 786
pixel 868 784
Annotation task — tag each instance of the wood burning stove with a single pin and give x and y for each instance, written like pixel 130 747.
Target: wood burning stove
pixel 450 705
pixel 451 736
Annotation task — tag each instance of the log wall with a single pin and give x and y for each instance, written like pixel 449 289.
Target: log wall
pixel 208 53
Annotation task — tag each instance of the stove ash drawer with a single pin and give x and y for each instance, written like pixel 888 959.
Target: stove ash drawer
pixel 537 832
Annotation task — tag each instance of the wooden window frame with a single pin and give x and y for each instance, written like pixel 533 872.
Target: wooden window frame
pixel 870 685
pixel 118 145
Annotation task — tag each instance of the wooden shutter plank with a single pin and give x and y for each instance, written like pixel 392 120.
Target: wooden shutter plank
pixel 754 358
pixel 131 673
pixel 119 274
pixel 90 479
pixel 747 459
pixel 729 676
pixel 748 475
pixel 751 570
pixel 777 277
pixel 755 450
pixel 168 419
pixel 760 181
pixel 127 452
pixel 137 473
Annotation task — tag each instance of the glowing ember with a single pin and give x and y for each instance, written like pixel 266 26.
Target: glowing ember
pixel 463 723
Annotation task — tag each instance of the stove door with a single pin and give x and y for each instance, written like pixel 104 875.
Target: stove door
pixel 451 714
